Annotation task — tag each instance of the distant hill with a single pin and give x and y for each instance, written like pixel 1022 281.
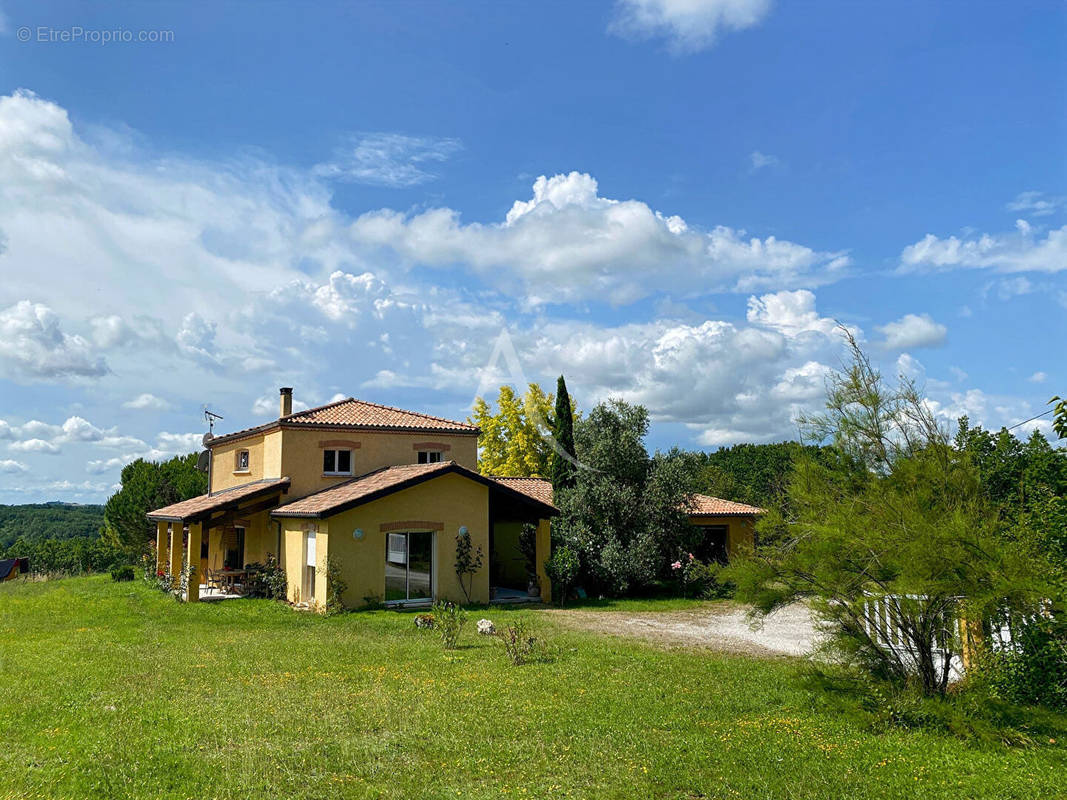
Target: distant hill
pixel 36 521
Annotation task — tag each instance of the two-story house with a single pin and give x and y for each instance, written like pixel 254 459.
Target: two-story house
pixel 381 492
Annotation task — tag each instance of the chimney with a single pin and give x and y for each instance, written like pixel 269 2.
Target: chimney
pixel 287 400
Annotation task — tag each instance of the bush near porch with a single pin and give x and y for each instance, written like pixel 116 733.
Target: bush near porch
pixel 117 691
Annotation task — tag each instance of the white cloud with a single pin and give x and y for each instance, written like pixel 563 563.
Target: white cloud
pixel 268 405
pixel 792 313
pixel 1036 204
pixel 33 346
pixel 912 330
pixel 1018 252
pixel 568 243
pixel 5 24
pixel 688 25
pixel 1038 377
pixel 99 466
pixel 388 159
pixel 759 160
pixel 147 401
pixel 34 446
pixel 10 466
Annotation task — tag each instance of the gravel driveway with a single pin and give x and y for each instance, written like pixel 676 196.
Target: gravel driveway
pixel 720 626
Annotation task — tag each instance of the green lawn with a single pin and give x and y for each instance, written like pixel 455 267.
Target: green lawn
pixel 114 690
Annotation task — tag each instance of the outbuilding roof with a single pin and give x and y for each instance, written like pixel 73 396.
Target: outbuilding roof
pixel 540 489
pixel 203 506
pixel 706 505
pixel 358 414
pixel 384 481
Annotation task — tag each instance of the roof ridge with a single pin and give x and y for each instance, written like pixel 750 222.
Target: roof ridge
pixel 413 413
pixel 331 404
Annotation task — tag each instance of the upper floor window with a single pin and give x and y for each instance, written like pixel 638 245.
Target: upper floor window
pixel 337 462
pixel 241 462
pixel 429 456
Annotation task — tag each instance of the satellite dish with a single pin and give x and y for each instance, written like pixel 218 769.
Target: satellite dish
pixel 203 460
pixel 207 438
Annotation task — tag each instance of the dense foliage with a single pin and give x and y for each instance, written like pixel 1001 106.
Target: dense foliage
pixel 147 485
pixel 36 521
pixel 512 441
pixel 623 518
pixel 66 556
pixel 899 517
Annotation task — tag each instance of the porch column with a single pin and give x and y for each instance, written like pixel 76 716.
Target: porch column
pixel 175 553
pixel 543 550
pixel 161 546
pixel 193 590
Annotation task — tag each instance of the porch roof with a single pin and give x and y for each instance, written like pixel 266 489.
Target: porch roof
pixel 385 481
pixel 202 507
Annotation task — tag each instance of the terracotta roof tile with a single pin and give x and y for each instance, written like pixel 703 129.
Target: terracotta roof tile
pixel 352 413
pixel 360 489
pixel 372 415
pixel 703 504
pixel 540 489
pixel 204 505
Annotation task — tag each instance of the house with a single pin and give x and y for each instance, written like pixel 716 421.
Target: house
pixel 11 568
pixel 726 526
pixel 379 492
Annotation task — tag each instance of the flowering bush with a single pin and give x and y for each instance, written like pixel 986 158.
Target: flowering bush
pixel 486 627
pixel 424 621
pixel 697 579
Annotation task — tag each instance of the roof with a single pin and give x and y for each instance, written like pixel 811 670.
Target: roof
pixel 706 505
pixel 203 506
pixel 385 481
pixel 358 414
pixel 540 489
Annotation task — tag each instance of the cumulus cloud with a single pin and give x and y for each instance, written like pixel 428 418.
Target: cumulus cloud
pixel 687 25
pixel 33 346
pixel 10 466
pixel 34 446
pixel 388 159
pixel 1022 251
pixel 147 401
pixel 569 243
pixel 1038 377
pixel 912 330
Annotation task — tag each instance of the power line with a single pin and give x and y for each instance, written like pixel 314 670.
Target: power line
pixel 1031 419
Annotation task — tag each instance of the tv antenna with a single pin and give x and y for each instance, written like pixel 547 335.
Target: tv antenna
pixel 210 416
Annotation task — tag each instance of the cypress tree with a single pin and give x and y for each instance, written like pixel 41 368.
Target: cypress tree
pixel 564 473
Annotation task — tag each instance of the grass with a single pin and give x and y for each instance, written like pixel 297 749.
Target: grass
pixel 114 690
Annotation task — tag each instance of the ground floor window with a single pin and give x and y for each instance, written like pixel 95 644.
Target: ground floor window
pixel 409 566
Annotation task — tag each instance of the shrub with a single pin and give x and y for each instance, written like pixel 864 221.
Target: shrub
pixel 520 646
pixel 562 569
pixel 122 573
pixel 697 578
pixel 468 562
pixel 424 621
pixel 1033 672
pixel 449 619
pixel 335 587
pixel 486 627
pixel 271 582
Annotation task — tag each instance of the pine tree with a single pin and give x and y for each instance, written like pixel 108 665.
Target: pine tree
pixel 564 473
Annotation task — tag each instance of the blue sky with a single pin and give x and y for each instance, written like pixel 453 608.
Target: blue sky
pixel 669 201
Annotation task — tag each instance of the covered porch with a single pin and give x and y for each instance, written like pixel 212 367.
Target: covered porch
pixel 519 540
pixel 216 537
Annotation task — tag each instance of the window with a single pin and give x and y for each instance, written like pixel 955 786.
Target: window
pixel 337 462
pixel 429 456
pixel 241 462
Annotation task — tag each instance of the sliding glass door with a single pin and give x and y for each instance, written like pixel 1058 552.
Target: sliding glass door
pixel 409 566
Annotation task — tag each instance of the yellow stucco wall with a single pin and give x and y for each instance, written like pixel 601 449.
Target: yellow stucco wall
pixel 451 500
pixel 301 453
pixel 297 453
pixel 741 530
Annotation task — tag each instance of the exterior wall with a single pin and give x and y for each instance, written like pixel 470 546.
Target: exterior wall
pixel 301 453
pixel 223 475
pixel 294 535
pixel 450 500
pixel 261 538
pixel 741 530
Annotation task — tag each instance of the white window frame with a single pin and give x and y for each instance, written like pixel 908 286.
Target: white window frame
pixel 432 456
pixel 237 460
pixel 335 451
